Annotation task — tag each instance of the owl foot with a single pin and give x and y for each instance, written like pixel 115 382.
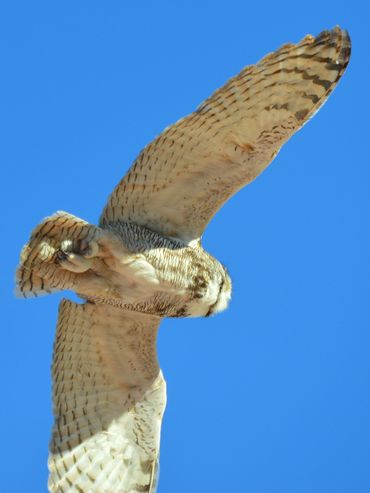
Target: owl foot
pixel 77 256
pixel 73 262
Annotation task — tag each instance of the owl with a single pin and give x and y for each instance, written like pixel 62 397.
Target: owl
pixel 144 261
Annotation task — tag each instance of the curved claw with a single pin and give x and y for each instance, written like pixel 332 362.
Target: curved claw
pixel 73 262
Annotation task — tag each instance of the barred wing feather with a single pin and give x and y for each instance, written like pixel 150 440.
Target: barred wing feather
pixel 109 397
pixel 188 172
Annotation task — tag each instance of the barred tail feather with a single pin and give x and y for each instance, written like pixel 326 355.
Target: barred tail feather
pixel 39 272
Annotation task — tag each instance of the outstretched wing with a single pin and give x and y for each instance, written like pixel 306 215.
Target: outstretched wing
pixel 109 397
pixel 187 173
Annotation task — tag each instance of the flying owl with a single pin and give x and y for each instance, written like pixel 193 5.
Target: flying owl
pixel 145 262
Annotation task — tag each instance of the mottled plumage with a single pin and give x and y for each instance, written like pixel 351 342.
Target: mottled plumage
pixel 108 409
pixel 145 261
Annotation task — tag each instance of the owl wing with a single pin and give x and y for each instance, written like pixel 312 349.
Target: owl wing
pixel 109 397
pixel 188 172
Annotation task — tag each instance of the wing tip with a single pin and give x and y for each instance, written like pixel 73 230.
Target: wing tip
pixel 335 37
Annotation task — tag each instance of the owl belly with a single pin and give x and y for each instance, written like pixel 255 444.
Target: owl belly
pixel 163 278
pixel 139 286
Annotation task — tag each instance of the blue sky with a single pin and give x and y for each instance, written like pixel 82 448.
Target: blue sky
pixel 271 396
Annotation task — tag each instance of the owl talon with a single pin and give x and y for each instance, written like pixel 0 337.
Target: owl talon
pixel 77 258
pixel 73 262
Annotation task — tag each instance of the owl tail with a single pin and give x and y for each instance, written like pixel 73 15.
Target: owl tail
pixel 39 271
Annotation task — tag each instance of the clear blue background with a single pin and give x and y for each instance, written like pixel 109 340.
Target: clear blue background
pixel 271 396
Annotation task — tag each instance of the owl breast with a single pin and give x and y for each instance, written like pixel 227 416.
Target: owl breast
pixel 212 296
